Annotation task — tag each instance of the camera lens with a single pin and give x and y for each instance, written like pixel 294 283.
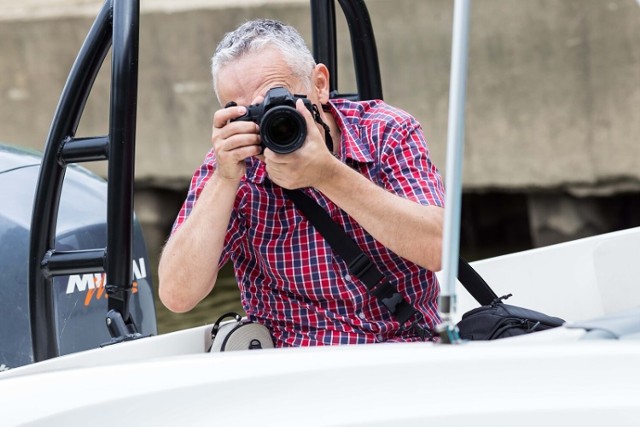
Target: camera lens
pixel 283 129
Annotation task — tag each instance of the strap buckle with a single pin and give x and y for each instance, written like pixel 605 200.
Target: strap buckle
pixel 360 265
pixel 425 334
pixel 366 271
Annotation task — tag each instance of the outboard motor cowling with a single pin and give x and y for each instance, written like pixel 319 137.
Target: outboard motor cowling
pixel 80 300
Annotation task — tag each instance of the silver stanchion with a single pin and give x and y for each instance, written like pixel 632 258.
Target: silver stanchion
pixel 453 181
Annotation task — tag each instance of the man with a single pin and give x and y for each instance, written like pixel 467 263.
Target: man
pixel 378 184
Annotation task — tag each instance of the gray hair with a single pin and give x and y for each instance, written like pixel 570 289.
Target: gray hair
pixel 252 36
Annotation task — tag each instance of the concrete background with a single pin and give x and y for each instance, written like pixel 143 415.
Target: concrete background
pixel 548 80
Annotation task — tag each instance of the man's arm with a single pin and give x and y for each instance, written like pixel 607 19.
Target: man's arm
pixel 409 229
pixel 188 266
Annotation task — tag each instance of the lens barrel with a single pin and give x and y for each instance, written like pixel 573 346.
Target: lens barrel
pixel 283 129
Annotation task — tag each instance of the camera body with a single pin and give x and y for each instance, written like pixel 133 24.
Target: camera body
pixel 282 128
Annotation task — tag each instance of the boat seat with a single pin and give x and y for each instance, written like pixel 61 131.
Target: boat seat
pixel 623 325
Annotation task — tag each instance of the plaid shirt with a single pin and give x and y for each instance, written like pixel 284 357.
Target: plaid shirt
pixel 289 278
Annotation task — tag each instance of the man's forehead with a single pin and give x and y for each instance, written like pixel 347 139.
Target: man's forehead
pixel 252 75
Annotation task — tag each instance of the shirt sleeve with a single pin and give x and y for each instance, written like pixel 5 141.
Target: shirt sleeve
pixel 198 181
pixel 406 165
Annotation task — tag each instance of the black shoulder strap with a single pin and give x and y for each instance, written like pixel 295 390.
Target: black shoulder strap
pixel 364 269
pixel 474 283
pixel 359 264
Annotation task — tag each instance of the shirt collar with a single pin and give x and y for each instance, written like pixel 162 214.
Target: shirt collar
pixel 353 143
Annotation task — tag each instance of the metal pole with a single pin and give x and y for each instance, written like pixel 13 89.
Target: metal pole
pixel 122 133
pixel 455 151
pixel 42 314
pixel 363 46
pixel 323 31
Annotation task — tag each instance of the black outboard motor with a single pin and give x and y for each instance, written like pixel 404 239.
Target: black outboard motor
pixel 80 300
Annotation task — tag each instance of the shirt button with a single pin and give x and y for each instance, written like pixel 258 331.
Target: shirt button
pixel 361 315
pixel 380 337
pixel 347 277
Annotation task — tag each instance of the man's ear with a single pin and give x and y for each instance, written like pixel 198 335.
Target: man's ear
pixel 321 83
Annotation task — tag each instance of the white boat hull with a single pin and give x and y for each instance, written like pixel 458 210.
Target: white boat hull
pixel 553 380
pixel 547 378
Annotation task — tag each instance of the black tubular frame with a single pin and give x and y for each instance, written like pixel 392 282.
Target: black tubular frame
pixel 117 23
pixel 363 45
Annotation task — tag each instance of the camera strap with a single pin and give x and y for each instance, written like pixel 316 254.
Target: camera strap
pixel 327 132
pixel 362 267
pixel 359 264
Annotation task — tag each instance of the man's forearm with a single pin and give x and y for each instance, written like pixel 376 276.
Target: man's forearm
pixel 407 228
pixel 188 266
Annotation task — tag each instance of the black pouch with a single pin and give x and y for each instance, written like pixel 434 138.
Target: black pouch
pixel 499 320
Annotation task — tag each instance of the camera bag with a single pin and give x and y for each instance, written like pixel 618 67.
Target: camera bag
pixel 499 320
pixel 492 320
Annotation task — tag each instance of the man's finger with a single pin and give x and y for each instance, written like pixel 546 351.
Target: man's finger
pixel 240 127
pixel 222 117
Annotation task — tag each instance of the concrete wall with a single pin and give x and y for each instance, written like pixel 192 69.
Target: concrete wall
pixel 554 85
pixel 555 94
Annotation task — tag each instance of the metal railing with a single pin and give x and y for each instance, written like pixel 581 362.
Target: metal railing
pixel 117 26
pixel 363 45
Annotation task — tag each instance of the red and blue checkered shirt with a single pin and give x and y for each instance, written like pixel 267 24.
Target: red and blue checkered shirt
pixel 289 277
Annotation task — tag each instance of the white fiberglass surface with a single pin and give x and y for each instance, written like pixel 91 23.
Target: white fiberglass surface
pixel 577 280
pixel 385 384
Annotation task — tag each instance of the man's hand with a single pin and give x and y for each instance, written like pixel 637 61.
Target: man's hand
pixel 305 167
pixel 233 142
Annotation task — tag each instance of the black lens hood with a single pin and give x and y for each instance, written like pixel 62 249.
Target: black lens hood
pixel 283 129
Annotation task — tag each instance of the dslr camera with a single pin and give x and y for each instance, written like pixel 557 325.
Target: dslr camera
pixel 282 127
